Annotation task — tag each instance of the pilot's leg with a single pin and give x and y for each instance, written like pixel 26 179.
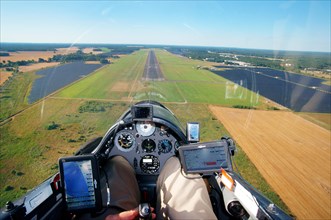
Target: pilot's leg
pixel 181 197
pixel 124 190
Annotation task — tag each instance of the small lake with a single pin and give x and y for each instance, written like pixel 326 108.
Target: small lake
pixel 294 91
pixel 55 78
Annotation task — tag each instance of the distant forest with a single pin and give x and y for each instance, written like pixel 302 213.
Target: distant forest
pixel 114 50
pixel 14 47
pixel 296 60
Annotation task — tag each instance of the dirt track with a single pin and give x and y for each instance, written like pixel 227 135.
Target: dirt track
pixel 291 153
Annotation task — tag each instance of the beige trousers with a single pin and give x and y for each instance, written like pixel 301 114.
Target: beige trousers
pixel 179 196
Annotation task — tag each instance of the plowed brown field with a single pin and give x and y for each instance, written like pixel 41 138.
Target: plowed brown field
pixel 291 153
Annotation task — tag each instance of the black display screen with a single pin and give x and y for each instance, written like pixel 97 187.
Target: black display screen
pixel 80 181
pixel 142 112
pixel 204 157
pixel 210 158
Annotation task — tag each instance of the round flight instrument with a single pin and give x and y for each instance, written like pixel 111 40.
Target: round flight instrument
pixel 149 164
pixel 148 145
pixel 124 141
pixel 145 128
pixel 165 146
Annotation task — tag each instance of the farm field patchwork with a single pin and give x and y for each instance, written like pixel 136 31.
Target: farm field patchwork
pixel 35 55
pixel 291 153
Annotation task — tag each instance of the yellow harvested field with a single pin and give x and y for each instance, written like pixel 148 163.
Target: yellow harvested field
pixel 37 66
pixel 35 55
pixel 90 50
pixel 92 62
pixel 4 75
pixel 291 153
pixel 67 50
pixel 28 55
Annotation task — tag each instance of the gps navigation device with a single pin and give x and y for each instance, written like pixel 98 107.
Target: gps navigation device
pixel 193 132
pixel 205 158
pixel 81 183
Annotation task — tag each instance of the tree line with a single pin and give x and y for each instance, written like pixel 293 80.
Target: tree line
pixel 266 58
pixel 72 57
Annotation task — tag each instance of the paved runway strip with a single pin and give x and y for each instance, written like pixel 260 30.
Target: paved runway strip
pixel 152 70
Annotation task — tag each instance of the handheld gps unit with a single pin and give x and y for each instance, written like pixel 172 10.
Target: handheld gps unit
pixel 205 158
pixel 81 183
pixel 193 132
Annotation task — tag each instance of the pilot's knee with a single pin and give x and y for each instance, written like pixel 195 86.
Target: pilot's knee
pixel 118 164
pixel 172 164
pixel 118 159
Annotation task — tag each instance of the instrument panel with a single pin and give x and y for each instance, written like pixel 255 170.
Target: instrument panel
pixel 146 145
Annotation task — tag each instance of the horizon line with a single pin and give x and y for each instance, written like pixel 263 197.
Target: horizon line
pixel 179 45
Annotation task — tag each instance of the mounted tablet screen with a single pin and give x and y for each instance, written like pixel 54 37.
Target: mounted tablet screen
pixel 81 185
pixel 205 158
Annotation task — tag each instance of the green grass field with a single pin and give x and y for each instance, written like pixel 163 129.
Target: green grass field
pixel 184 83
pixel 112 82
pixel 13 96
pixel 201 86
pixel 27 142
pixel 28 145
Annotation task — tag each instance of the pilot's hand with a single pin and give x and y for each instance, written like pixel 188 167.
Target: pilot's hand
pixel 127 215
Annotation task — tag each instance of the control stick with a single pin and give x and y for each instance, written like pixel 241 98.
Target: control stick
pixel 145 211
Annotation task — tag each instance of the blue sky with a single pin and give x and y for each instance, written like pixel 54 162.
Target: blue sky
pixel 287 25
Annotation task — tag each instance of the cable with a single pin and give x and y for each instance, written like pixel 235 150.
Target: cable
pixel 232 156
pixel 108 188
